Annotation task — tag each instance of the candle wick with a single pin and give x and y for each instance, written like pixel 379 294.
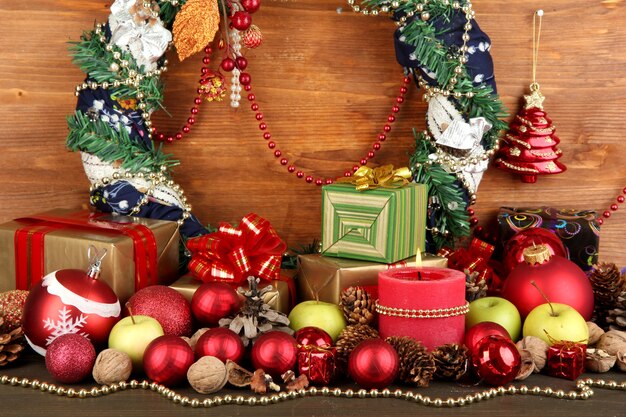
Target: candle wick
pixel 419 275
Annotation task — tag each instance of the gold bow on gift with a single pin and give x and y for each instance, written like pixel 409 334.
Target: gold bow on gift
pixel 366 178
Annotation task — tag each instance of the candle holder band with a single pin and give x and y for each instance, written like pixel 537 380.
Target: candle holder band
pixel 436 313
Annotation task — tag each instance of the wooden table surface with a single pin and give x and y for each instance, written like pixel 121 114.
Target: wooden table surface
pixel 18 401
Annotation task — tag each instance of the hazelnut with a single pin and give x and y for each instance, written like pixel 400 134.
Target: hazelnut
pixel 112 366
pixel 207 375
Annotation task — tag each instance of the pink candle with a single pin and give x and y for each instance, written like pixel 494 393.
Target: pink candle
pixel 427 304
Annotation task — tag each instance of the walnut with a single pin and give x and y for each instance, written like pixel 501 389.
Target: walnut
pixel 196 336
pixel 598 360
pixel 207 375
pixel 238 376
pixel 613 342
pixel 537 348
pixel 528 365
pixel 595 332
pixel 261 382
pixel 293 383
pixel 621 361
pixel 112 366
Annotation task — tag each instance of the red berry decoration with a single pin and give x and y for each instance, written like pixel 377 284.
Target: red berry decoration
pixel 70 301
pixel 241 20
pixel 315 336
pixel 167 359
pixel 241 62
pixel 496 360
pixel 481 330
pixel 244 78
pixel 251 6
pixel 70 358
pixel 228 64
pixel 222 343
pixel 275 352
pixel 214 301
pixel 12 309
pixel 166 305
pixel 374 363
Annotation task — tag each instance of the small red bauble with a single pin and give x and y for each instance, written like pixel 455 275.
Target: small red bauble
pixel 70 358
pixel 12 309
pixel 496 360
pixel 252 38
pixel 275 352
pixel 251 6
pixel 561 280
pixel 514 248
pixel 166 305
pixel 315 336
pixel 167 359
pixel 222 343
pixel 69 301
pixel 242 63
pixel 373 364
pixel 245 78
pixel 241 20
pixel 228 64
pixel 213 301
pixel 481 330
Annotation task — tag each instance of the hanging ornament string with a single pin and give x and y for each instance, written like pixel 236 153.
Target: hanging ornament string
pixel 536 40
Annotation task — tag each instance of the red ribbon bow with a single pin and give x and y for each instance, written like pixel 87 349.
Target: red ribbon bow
pixel 474 259
pixel 233 253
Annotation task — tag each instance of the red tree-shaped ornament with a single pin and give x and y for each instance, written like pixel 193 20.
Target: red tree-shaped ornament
pixel 530 147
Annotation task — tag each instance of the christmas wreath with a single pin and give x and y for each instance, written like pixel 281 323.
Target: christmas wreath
pixel 438 43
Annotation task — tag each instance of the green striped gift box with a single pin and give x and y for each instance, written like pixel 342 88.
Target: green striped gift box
pixel 380 225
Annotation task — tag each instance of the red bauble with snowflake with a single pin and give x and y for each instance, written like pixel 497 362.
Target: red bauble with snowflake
pixel 70 301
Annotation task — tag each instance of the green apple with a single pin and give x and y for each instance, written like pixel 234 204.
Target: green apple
pixel 132 335
pixel 562 322
pixel 326 316
pixel 497 310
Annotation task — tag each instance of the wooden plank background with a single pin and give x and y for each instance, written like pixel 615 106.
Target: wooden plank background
pixel 325 78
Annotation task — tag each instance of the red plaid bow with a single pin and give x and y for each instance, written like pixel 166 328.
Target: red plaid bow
pixel 233 253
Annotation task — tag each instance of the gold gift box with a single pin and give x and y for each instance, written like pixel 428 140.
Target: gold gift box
pixel 67 248
pixel 328 276
pixel 277 298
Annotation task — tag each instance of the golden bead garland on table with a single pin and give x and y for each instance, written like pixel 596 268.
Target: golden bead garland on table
pixel 583 391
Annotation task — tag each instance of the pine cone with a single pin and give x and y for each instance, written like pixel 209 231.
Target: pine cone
pixel 475 286
pixel 11 344
pixel 417 365
pixel 357 305
pixel 451 361
pixel 349 338
pixel 616 317
pixel 608 284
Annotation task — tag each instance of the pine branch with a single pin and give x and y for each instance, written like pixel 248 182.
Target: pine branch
pixel 168 11
pixel 98 138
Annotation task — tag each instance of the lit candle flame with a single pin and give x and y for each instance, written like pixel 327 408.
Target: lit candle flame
pixel 418 258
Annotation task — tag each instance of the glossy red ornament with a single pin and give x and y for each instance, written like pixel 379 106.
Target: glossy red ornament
pixel 373 364
pixel 312 335
pixel 69 301
pixel 70 358
pixel 166 305
pixel 317 363
pixel 561 280
pixel 251 6
pixel 496 360
pixel 167 359
pixel 252 38
pixel 241 20
pixel 222 343
pixel 241 62
pixel 514 248
pixel 228 64
pixel 213 301
pixel 481 330
pixel 245 79
pixel 275 352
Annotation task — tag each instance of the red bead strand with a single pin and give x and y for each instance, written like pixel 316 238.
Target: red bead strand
pixel 195 110
pixel 613 207
pixel 376 146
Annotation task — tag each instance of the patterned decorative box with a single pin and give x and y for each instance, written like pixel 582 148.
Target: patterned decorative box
pixel 380 225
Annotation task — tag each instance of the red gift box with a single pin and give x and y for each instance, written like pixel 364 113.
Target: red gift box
pixel 566 359
pixel 317 363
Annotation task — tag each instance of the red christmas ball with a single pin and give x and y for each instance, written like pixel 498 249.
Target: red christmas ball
pixel 222 343
pixel 213 301
pixel 561 280
pixel 312 335
pixel 167 359
pixel 241 20
pixel 496 360
pixel 252 38
pixel 69 301
pixel 166 305
pixel 241 62
pixel 481 330
pixel 228 64
pixel 275 352
pixel 514 248
pixel 373 364
pixel 245 79
pixel 70 358
pixel 251 6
